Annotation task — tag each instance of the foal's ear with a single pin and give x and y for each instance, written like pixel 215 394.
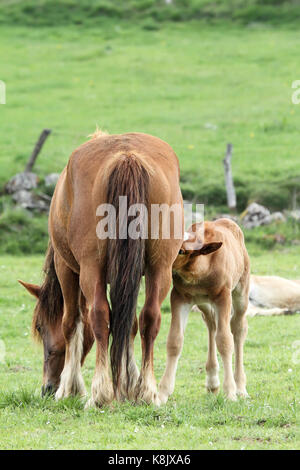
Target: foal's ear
pixel 207 248
pixel 34 289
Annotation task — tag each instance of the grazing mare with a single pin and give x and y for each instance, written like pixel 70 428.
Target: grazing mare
pixel 145 170
pixel 214 276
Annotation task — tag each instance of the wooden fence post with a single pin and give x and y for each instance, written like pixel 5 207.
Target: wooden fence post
pixel 37 148
pixel 231 196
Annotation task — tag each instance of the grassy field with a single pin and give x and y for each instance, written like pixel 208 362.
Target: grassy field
pixel 190 420
pixel 197 86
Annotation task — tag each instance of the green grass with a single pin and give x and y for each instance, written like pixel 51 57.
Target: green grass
pixel 190 420
pixel 54 12
pixel 174 83
pixel 197 87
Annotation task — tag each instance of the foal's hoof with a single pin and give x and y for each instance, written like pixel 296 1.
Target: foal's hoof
pixel 231 396
pixel 242 394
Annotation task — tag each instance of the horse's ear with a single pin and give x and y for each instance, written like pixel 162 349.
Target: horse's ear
pixel 33 289
pixel 207 248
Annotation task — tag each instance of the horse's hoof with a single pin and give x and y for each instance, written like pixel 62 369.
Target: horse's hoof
pixel 214 390
pixel 149 396
pixel 89 404
pixel 61 393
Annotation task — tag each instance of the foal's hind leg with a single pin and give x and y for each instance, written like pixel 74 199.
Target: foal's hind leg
pixel 224 341
pixel 158 282
pixel 239 328
pixel 71 381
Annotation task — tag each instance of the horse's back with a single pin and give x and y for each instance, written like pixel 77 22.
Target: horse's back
pixel 84 184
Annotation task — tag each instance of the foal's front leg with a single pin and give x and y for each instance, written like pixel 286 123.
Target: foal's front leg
pixel 180 310
pixel 212 365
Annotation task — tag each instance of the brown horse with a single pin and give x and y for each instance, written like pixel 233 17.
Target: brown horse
pixel 145 170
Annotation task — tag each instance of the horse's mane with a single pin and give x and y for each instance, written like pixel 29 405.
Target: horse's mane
pixel 98 133
pixel 49 306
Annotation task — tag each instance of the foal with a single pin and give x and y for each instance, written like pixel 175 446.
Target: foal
pixel 219 284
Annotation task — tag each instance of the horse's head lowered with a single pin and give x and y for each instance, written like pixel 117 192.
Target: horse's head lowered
pixel 48 330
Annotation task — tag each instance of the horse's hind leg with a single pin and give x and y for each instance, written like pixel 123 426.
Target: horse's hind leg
pixel 71 381
pixel 158 282
pixel 128 383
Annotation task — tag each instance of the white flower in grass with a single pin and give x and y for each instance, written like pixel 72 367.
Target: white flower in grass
pixel 296 354
pixel 2 351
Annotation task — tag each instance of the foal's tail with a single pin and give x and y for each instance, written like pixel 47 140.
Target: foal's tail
pixel 125 259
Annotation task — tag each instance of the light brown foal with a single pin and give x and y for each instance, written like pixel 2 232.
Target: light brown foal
pixel 145 170
pixel 214 276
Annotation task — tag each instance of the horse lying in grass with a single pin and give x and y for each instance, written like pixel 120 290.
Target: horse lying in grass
pixel 215 277
pixel 273 295
pixel 145 171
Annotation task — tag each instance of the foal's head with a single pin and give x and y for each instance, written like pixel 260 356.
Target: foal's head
pixel 198 240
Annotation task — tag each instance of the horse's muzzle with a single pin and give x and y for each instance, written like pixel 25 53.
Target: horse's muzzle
pixel 48 390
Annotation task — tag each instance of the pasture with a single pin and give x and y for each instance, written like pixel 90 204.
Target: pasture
pixel 190 420
pixel 196 87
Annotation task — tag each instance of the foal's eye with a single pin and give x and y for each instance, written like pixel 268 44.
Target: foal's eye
pixel 181 252
pixel 38 328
